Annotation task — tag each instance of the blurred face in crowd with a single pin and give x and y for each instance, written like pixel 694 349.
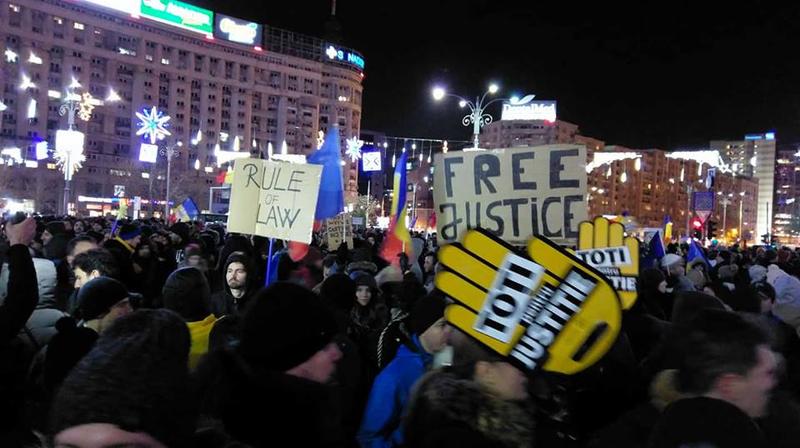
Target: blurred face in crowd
pixel 429 264
pixel 236 276
pixel 363 295
pixel 97 227
pixel 79 227
pixel 81 247
pixel 103 435
pixel 662 287
pixel 766 303
pixel 193 260
pixel 134 242
pixel 144 251
pixel 503 379
pixel 434 339
pixel 750 392
pixel 371 240
pixel 82 277
pixel 46 237
pixel 320 367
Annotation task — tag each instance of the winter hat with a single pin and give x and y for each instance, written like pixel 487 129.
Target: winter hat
pixel 338 290
pixel 727 272
pixel 705 421
pixel 286 325
pixel 129 231
pixel 650 278
pixel 670 260
pixel 426 312
pixel 55 227
pixel 136 378
pixel 364 279
pixel 97 296
pixel 187 293
pixel 757 273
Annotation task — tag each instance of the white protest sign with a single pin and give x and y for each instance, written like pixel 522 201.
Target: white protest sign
pixel 274 199
pixel 512 193
pixel 339 228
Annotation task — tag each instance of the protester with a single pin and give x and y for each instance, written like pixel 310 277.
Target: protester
pixel 132 389
pixel 238 288
pixel 479 401
pixel 677 281
pixel 187 293
pixel 122 247
pixel 392 387
pixel 286 357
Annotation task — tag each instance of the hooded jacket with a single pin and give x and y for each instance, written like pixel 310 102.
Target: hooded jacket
pixel 223 303
pixel 390 395
pixel 787 295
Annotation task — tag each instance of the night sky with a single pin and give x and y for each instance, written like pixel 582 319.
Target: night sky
pixel 665 75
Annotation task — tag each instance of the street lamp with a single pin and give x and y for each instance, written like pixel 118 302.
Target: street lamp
pixel 477 118
pixel 69 143
pixel 741 202
pixel 169 152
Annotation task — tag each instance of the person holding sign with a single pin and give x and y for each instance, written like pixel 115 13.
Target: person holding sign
pixel 480 400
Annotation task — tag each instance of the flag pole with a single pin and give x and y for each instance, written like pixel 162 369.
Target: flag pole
pixel 269 261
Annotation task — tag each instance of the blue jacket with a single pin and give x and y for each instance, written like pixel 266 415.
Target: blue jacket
pixel 381 426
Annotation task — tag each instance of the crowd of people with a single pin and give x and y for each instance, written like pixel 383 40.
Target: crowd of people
pixel 146 334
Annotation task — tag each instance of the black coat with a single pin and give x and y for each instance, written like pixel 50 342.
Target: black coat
pixel 23 295
pixel 124 259
pixel 263 409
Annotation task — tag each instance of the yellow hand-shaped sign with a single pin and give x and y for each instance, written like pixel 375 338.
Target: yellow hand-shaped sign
pixel 603 245
pixel 549 311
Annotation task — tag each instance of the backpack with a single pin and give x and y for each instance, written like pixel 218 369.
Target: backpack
pixel 394 334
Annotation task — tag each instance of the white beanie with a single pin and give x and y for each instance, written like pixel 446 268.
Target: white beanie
pixel 670 259
pixel 757 273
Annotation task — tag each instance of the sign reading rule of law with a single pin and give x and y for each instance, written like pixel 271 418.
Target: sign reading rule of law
pixel 512 193
pixel 274 199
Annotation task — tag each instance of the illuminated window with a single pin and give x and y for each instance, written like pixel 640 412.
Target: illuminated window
pixel 78 26
pixel 13 7
pixel 58 20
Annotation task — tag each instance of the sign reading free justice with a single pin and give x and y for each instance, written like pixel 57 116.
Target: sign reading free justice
pixel 274 199
pixel 512 193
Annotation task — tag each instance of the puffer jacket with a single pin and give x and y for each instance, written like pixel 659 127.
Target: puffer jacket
pixel 787 295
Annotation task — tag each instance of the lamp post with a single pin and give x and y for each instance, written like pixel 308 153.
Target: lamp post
pixel 477 118
pixel 741 203
pixel 169 152
pixel 725 203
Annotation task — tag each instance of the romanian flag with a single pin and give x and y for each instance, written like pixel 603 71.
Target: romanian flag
pixel 667 230
pixel 397 238
pixel 187 211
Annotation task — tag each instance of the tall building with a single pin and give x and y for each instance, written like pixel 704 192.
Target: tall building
pixel 514 133
pixel 227 84
pixel 786 224
pixel 650 184
pixel 754 157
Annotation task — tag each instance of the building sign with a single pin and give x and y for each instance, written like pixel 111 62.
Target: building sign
pixel 512 193
pixel 237 30
pixel 527 109
pixel 371 161
pixel 344 55
pixel 131 7
pixel 180 14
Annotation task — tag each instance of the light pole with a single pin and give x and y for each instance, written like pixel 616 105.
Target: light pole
pixel 741 203
pixel 725 203
pixel 477 118
pixel 169 152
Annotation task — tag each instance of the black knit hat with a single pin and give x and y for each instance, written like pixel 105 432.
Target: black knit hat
pixel 426 312
pixel 187 293
pixel 55 227
pixel 285 326
pixel 97 296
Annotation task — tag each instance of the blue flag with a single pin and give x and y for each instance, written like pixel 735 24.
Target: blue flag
pixel 331 193
pixel 655 251
pixel 696 252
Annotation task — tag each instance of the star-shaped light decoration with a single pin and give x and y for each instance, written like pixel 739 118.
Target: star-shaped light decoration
pixel 354 148
pixel 70 160
pixel 320 139
pixel 153 125
pixel 11 56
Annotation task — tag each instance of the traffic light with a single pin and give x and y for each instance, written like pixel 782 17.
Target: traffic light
pixel 697 227
pixel 712 230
